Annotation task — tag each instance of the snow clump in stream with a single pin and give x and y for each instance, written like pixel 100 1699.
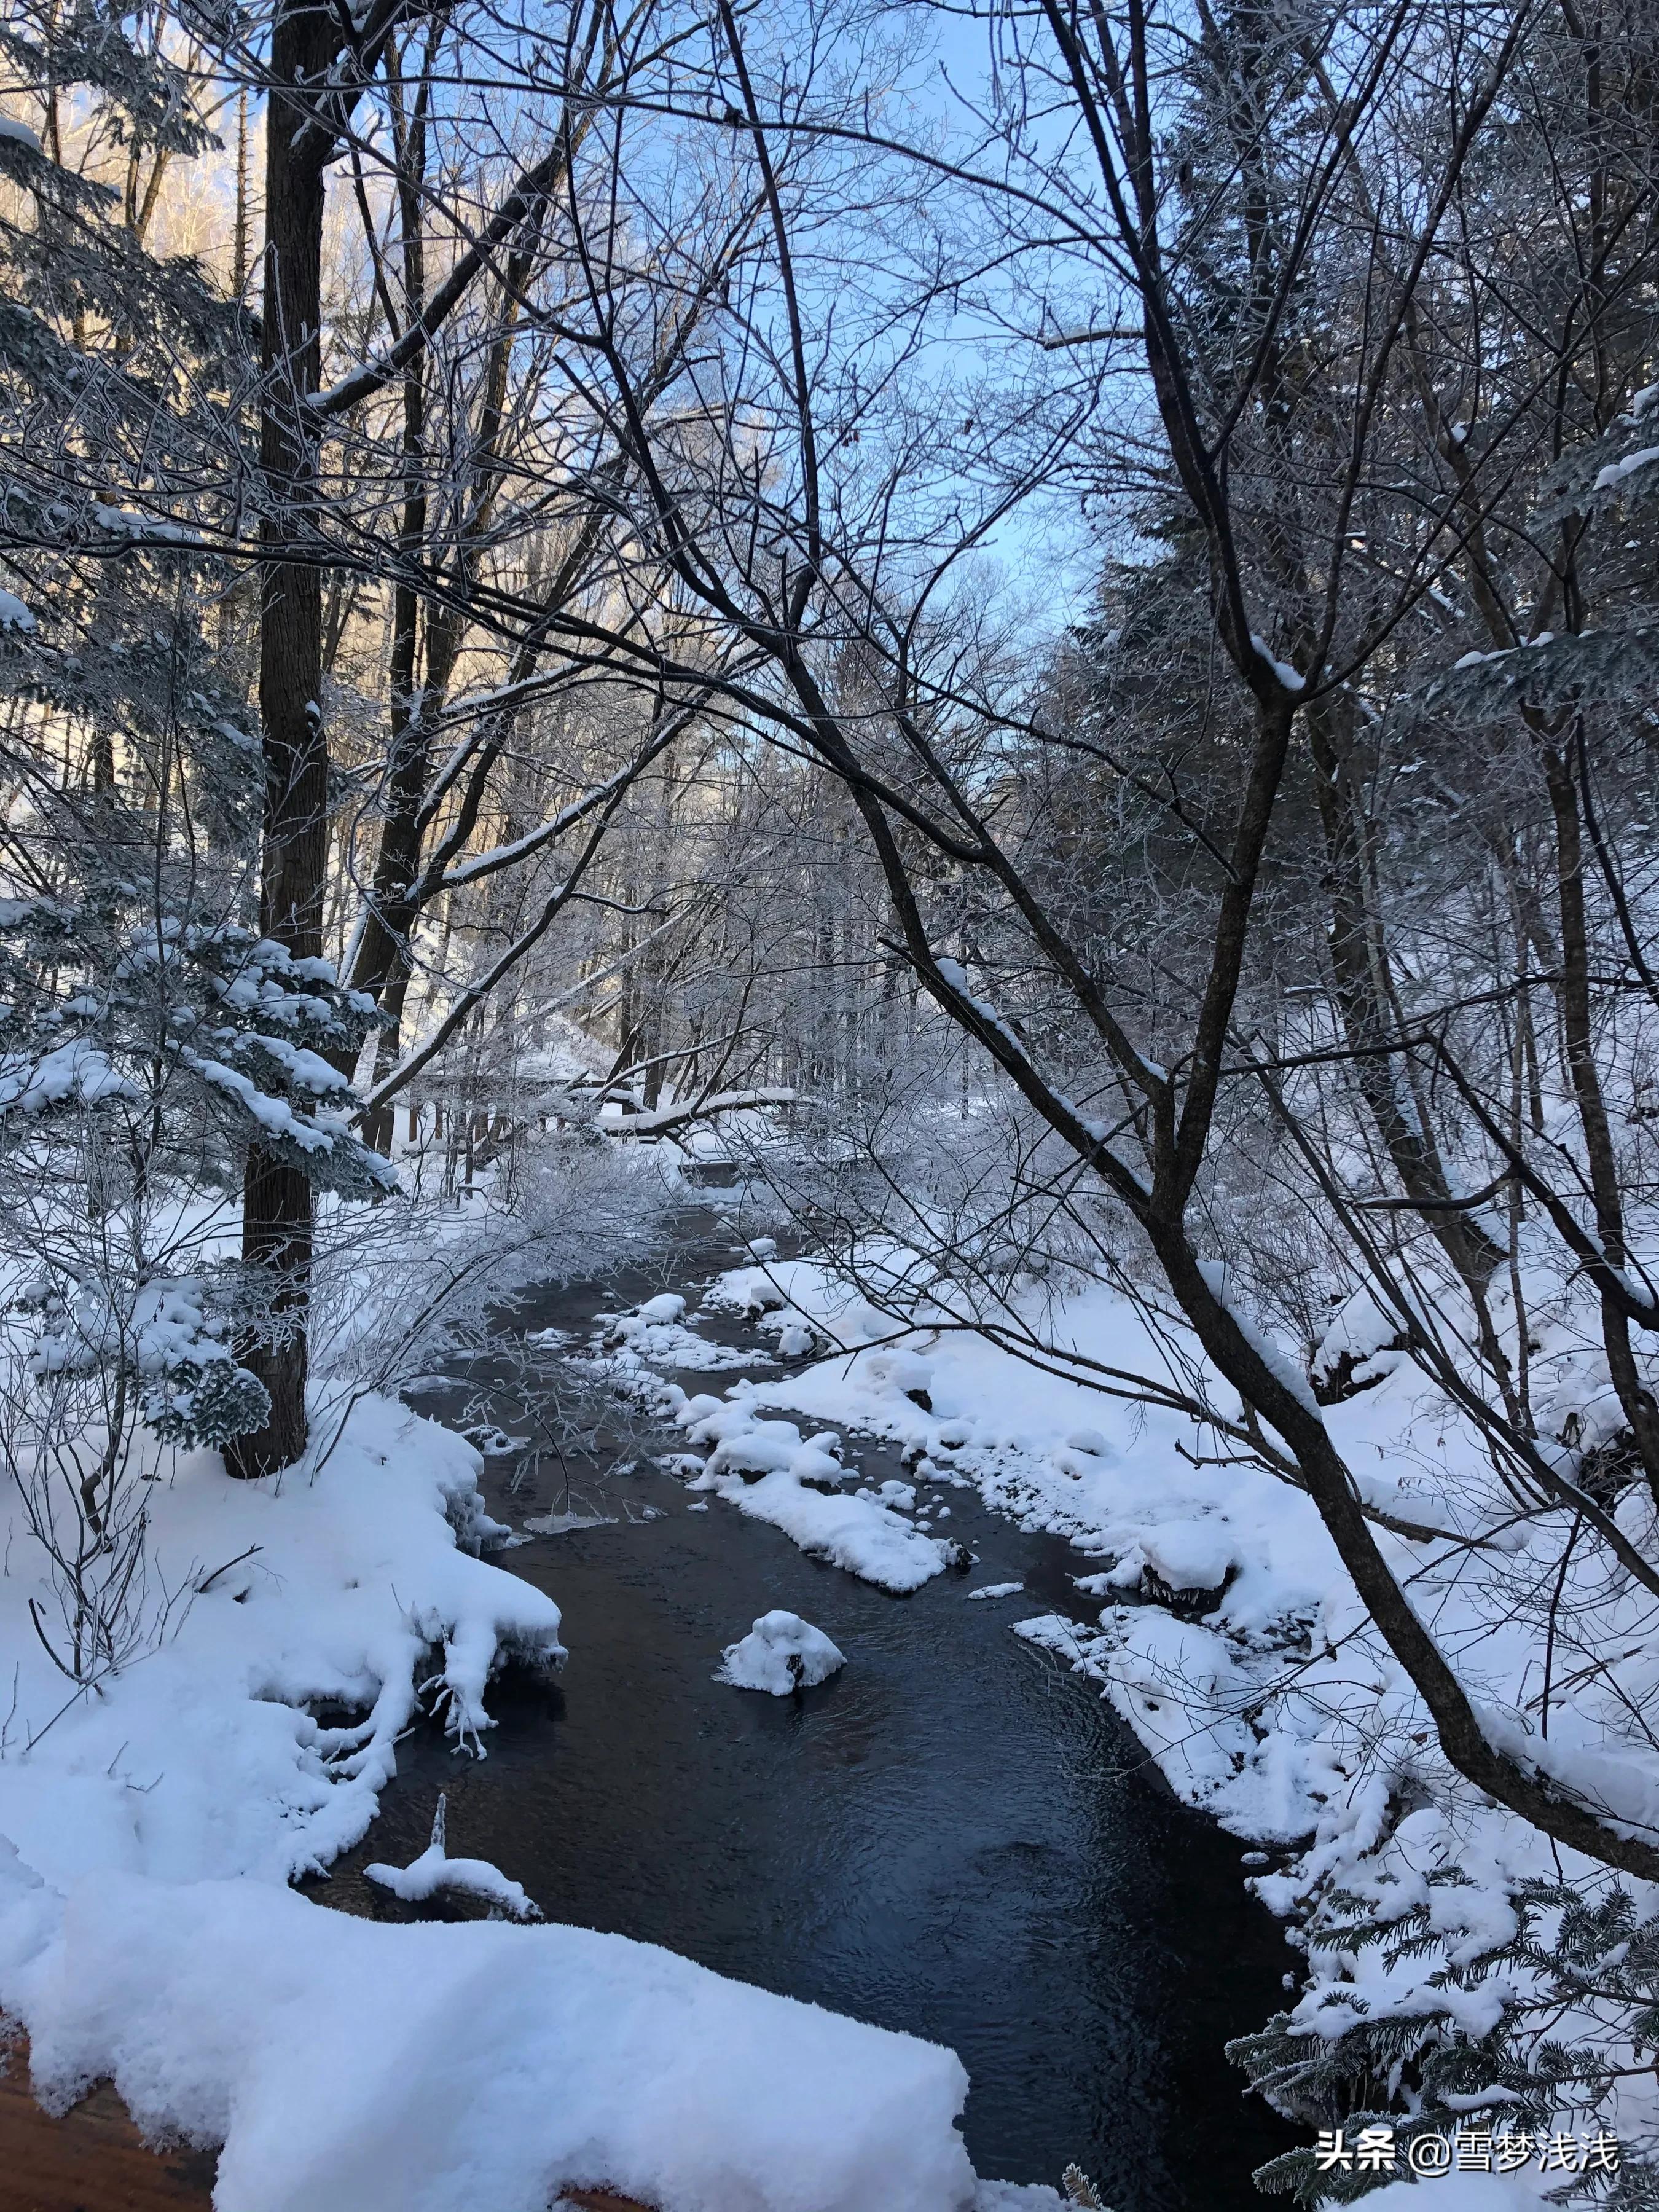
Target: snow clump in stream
pixel 657 1335
pixel 781 1654
pixel 769 1470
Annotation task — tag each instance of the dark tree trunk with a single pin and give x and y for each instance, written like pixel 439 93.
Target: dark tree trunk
pixel 277 1203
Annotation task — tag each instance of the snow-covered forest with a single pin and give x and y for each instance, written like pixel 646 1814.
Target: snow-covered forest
pixel 1028 635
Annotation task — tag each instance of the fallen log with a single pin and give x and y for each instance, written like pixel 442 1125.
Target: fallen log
pixel 93 2159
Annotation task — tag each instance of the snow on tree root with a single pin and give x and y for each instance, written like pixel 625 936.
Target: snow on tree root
pixel 434 1871
pixel 781 1654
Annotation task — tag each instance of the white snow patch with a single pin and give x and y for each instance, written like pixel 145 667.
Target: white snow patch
pixel 443 2068
pixel 1289 676
pixel 781 1654
pixel 770 1471
pixel 867 1538
pixel 658 1335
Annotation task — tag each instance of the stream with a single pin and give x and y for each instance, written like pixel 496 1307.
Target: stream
pixel 953 1836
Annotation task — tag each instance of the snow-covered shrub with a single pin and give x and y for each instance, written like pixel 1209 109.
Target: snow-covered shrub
pixel 71 1446
pixel 147 1045
pixel 161 1337
pixel 1526 2034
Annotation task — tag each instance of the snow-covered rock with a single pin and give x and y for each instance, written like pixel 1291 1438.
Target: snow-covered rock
pixel 1359 1349
pixel 781 1654
pixel 1188 1558
pixel 749 1291
pixel 904 1373
pixel 658 1335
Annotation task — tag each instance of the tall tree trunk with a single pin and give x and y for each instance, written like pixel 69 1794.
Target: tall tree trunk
pixel 238 233
pixel 277 1205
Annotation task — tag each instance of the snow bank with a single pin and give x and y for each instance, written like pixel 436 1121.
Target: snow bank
pixel 781 1653
pixel 352 2067
pixel 352 1589
pixel 1231 1641
pixel 1049 1451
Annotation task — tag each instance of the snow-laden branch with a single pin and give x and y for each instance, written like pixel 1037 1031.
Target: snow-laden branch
pixel 479 864
pixel 406 1070
pixel 443 871
pixel 535 185
pixel 661 1120
pixel 435 1870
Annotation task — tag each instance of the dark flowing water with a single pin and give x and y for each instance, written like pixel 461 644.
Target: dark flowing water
pixel 953 1837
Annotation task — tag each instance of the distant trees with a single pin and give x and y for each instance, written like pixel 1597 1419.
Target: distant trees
pixel 344 534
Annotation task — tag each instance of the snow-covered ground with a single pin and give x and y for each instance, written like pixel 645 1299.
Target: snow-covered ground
pixel 148 1932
